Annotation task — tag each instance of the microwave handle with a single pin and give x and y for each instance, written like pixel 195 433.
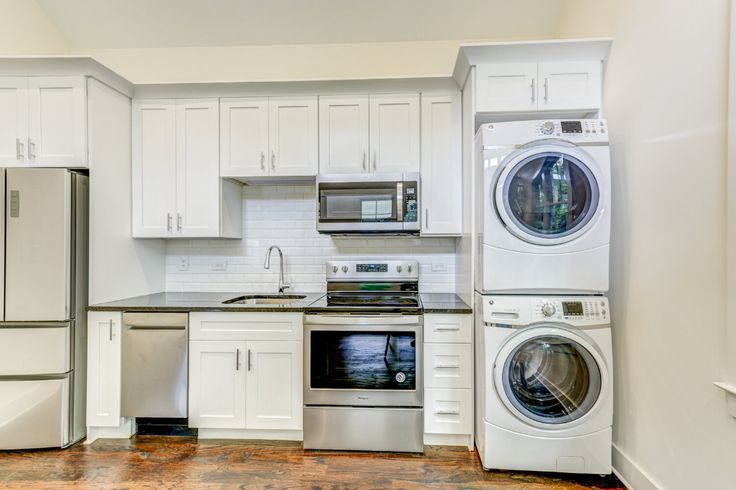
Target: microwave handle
pixel 399 201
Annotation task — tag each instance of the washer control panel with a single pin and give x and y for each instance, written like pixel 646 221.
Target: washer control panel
pixel 572 309
pixel 519 311
pixel 572 130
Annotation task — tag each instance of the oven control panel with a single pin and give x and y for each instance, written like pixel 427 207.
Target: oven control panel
pixel 372 270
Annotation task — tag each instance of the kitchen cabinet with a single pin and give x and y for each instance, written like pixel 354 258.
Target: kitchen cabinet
pixel 104 368
pixel 376 133
pixel 245 371
pixel 269 137
pixel 448 379
pixel 441 165
pixel 539 86
pixel 177 189
pixel 43 121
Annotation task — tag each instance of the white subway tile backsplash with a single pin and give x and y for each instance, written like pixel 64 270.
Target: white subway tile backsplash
pixel 284 215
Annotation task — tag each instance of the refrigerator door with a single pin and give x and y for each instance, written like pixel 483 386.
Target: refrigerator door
pixel 34 413
pixel 2 244
pixel 38 245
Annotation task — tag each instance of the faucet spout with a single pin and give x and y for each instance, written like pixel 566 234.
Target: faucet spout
pixel 267 265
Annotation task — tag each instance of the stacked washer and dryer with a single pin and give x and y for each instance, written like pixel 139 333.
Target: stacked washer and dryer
pixel 544 394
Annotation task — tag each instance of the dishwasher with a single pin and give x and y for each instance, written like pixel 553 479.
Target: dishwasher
pixel 154 362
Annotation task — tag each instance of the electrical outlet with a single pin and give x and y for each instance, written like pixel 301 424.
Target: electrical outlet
pixel 220 264
pixel 439 267
pixel 184 264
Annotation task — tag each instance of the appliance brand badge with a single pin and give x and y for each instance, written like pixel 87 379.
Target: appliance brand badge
pixel 400 377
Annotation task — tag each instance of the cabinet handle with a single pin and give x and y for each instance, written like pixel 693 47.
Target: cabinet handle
pixel 273 160
pixel 237 359
pixel 426 218
pixel 31 149
pixel 546 90
pixel 447 412
pixel 375 156
pixel 447 366
pixel 111 330
pixel 18 149
pixel 447 329
pixel 364 160
pixel 263 161
pixel 168 222
pixel 250 366
pixel 534 90
pixel 178 222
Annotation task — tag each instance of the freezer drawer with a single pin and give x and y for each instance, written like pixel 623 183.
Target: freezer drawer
pixel 154 358
pixel 34 413
pixel 35 350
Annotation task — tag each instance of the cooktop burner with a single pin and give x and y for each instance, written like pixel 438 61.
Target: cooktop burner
pixel 381 300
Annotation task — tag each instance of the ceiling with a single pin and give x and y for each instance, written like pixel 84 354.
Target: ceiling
pixel 112 24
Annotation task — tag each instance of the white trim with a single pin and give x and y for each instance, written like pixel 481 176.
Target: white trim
pixel 730 373
pixel 449 440
pixel 273 435
pixel 630 473
pixel 124 431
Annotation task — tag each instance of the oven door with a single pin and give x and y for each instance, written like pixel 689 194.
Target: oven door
pixel 369 361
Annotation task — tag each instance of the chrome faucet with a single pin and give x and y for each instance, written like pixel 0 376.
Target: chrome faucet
pixel 267 265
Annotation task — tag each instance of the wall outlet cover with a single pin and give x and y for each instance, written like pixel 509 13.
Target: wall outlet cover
pixel 184 264
pixel 220 264
pixel 439 267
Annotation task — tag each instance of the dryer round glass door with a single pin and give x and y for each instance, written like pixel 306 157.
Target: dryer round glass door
pixel 548 197
pixel 551 379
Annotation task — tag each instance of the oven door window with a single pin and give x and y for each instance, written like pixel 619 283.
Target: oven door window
pixel 359 204
pixel 363 360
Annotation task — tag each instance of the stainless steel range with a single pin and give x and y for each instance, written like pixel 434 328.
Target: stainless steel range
pixel 363 352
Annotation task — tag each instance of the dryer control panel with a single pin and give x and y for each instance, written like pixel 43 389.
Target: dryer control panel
pixel 519 311
pixel 572 130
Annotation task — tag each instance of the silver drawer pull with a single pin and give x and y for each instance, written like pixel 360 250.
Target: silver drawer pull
pixel 447 366
pixel 250 365
pixel 237 359
pixel 447 412
pixel 18 149
pixel 447 329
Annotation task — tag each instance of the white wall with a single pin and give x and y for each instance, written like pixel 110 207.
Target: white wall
pixel 284 215
pixel 666 102
pixel 26 29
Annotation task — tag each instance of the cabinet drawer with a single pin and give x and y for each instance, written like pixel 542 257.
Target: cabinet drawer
pixel 448 328
pixel 245 326
pixel 448 366
pixel 35 350
pixel 448 411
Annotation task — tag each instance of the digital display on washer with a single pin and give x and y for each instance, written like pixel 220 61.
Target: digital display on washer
pixel 571 127
pixel 572 308
pixel 372 267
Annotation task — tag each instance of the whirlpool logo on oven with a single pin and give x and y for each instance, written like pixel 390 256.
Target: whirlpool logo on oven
pixel 400 377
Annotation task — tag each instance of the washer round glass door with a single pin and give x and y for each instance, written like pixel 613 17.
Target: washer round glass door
pixel 548 196
pixel 549 378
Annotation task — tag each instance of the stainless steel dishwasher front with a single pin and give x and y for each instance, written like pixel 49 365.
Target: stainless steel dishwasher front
pixel 154 378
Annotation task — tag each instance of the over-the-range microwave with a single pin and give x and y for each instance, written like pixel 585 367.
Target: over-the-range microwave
pixel 368 203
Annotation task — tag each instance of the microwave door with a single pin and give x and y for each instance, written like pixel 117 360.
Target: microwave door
pixel 359 205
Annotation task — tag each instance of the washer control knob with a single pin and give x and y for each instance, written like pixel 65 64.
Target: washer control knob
pixel 334 269
pixel 548 309
pixel 345 269
pixel 398 268
pixel 548 127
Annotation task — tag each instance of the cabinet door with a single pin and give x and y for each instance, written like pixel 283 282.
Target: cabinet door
pixel 154 168
pixel 293 136
pixel 243 137
pixel 394 133
pixel 442 171
pixel 570 85
pixel 274 386
pixel 343 134
pixel 506 87
pixel 13 120
pixel 197 168
pixel 103 368
pixel 57 131
pixel 217 384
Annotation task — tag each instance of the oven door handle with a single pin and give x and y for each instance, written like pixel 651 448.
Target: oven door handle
pixel 362 320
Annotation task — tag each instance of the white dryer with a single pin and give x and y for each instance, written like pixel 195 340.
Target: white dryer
pixel 544 220
pixel 544 383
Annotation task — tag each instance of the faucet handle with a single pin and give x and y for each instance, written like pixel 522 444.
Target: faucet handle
pixel 284 286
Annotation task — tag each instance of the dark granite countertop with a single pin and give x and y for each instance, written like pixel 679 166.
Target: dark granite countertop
pixel 444 303
pixel 159 302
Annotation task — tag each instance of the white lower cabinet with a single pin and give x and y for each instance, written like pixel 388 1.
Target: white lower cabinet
pixel 245 372
pixel 104 368
pixel 448 379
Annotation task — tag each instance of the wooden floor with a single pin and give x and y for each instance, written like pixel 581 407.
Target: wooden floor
pixel 154 462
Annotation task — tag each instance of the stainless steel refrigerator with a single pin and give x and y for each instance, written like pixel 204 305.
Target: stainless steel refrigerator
pixel 43 326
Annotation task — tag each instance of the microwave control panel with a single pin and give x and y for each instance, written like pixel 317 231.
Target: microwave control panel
pixel 410 198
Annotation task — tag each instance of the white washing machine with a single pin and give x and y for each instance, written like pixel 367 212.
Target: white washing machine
pixel 544 222
pixel 544 383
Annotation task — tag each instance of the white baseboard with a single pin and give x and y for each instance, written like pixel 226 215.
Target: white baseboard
pixel 276 435
pixel 124 431
pixel 630 473
pixel 449 440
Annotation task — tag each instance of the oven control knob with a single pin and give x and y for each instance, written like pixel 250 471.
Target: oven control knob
pixel 548 309
pixel 334 269
pixel 548 127
pixel 345 269
pixel 398 268
pixel 408 268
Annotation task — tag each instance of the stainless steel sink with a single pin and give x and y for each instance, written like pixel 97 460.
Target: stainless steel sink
pixel 265 299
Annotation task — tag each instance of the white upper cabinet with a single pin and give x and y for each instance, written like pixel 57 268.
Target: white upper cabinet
pixel 13 121
pixel 343 134
pixel 394 133
pixel 269 137
pixel 43 121
pixel 507 87
pixel 177 189
pixel 441 182
pixel 544 86
pixel 243 137
pixel 293 136
pixel 570 85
